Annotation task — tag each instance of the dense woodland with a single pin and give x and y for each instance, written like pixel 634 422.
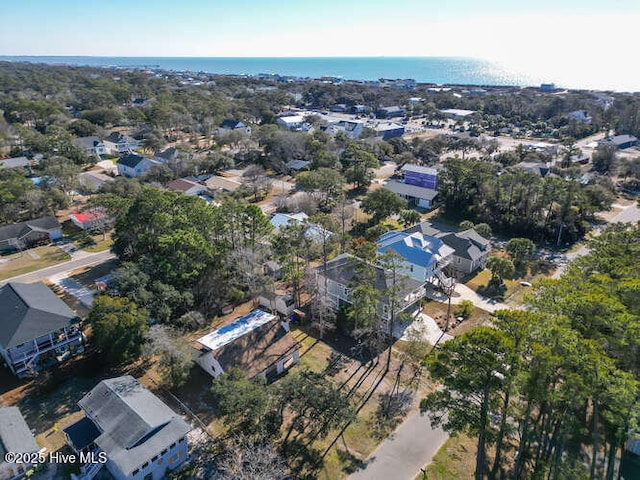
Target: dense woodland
pixel 550 391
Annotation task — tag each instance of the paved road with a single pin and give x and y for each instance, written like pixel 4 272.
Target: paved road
pixel 630 214
pixel 86 260
pixel 405 452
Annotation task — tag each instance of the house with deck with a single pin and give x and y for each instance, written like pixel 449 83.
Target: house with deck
pixel 423 256
pixel 133 165
pixel 419 187
pixel 37 329
pixel 119 144
pixel 258 344
pixel 91 145
pixel 136 434
pixel 15 437
pixel 340 277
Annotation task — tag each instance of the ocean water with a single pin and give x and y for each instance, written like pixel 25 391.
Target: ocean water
pixel 603 74
pixel 440 70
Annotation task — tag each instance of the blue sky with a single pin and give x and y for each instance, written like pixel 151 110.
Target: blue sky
pixel 493 29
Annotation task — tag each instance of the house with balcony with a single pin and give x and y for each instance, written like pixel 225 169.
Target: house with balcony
pixel 423 256
pixel 37 329
pixel 470 249
pixel 91 145
pixel 340 277
pixel 140 436
pixel 15 437
pixel 119 144
pixel 133 165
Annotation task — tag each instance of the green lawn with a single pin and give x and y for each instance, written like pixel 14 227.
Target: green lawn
pixel 455 459
pixel 31 260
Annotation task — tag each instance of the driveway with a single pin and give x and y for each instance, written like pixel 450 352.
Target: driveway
pixel 73 288
pixel 629 214
pixel 405 452
pixel 423 327
pixel 463 292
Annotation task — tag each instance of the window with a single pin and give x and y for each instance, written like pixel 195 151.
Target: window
pixel 155 457
pixel 182 440
pixel 135 472
pixel 164 452
pixel 173 445
pixel 145 465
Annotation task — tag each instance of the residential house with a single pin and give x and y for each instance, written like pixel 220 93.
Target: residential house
pixel 230 125
pixel 94 180
pixel 419 187
pixel 621 142
pixel 297 165
pixel 548 87
pixel 291 122
pixel 471 250
pixel 313 232
pixel 457 113
pixel 538 168
pixel 141 437
pixel 391 112
pixel 91 145
pixel 217 183
pixel 170 155
pixel 388 130
pixel 581 116
pixel 37 329
pixel 89 219
pixel 133 165
pixel 15 437
pixel 258 344
pixel 187 187
pixel 414 195
pixel 340 276
pixel 424 256
pixel 27 234
pixel 22 163
pixel 351 128
pixel 420 176
pixel 358 109
pixel 119 144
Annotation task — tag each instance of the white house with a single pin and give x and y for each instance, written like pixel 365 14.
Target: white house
pixel 229 125
pixel 292 122
pixel 15 437
pixel 133 430
pixel 258 344
pixel 278 302
pixel 91 145
pixel 119 144
pixel 424 256
pixel 133 165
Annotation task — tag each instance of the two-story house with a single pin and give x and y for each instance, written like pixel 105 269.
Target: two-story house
pixel 91 145
pixel 420 185
pixel 229 125
pixel 133 165
pixel 119 144
pixel 424 256
pixel 339 278
pixel 141 437
pixel 15 437
pixel 37 329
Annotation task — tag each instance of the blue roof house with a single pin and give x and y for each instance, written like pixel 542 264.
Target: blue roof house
pixel 424 256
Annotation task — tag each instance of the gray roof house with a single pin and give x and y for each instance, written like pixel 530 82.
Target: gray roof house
pixel 139 434
pixel 118 144
pixel 15 437
pixel 133 165
pixel 229 125
pixel 92 145
pixel 16 162
pixel 37 329
pixel 415 195
pixel 25 234
pixel 341 274
pixel 471 250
